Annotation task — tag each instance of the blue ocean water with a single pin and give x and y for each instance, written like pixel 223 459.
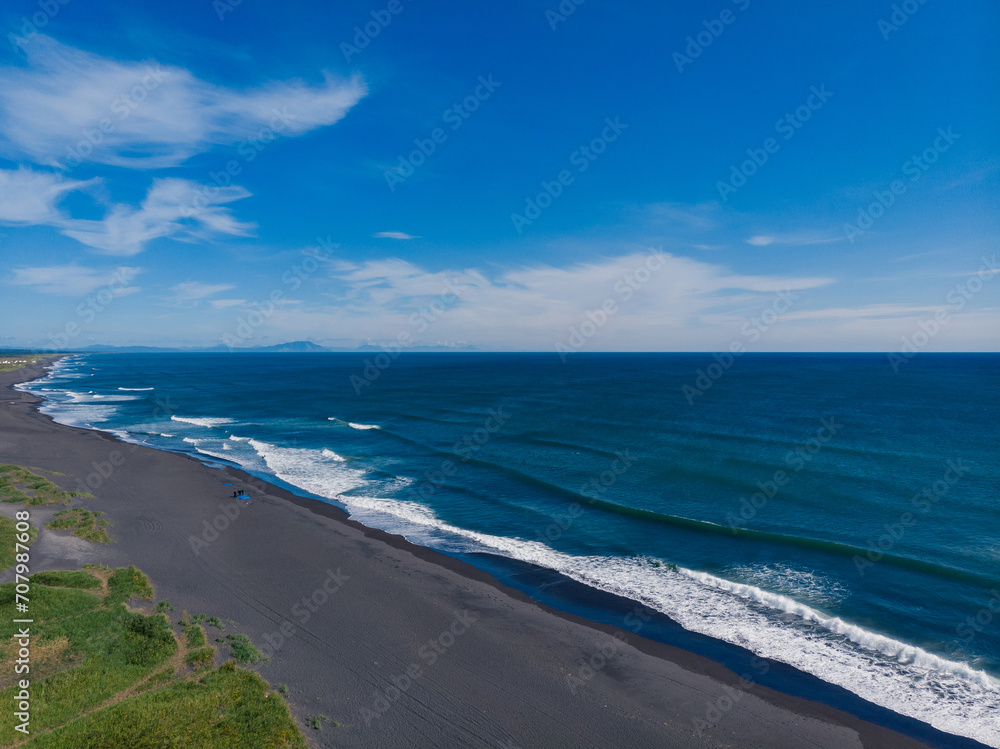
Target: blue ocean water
pixel 824 511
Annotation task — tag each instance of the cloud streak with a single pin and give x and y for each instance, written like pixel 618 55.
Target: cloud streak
pixel 70 105
pixel 75 280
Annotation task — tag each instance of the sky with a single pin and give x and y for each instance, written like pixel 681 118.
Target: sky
pixel 529 175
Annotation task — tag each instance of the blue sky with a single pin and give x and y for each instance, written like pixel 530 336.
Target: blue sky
pixel 513 176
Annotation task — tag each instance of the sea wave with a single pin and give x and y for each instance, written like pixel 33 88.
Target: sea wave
pixel 203 421
pixel 354 425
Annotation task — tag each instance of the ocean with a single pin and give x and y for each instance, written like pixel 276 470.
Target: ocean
pixel 836 513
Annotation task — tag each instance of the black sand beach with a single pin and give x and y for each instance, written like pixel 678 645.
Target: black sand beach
pixel 403 646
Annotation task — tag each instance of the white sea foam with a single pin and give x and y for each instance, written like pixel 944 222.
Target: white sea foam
pixel 354 425
pixel 78 415
pixel 203 421
pixel 234 438
pixel 321 472
pixel 92 397
pixel 135 388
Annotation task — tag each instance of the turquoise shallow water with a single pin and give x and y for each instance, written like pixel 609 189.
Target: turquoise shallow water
pixel 823 510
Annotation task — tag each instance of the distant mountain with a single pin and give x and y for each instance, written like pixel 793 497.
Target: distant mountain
pixel 295 347
pixel 292 347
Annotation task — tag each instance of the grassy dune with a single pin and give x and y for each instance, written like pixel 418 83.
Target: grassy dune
pixel 106 675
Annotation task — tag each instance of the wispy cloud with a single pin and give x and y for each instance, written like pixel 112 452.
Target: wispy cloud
pixel 394 235
pixel 76 280
pixel 225 303
pixel 793 238
pixel 379 299
pixel 172 207
pixel 146 115
pixel 29 197
pixel 189 293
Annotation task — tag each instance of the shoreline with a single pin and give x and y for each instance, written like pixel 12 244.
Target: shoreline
pixel 654 691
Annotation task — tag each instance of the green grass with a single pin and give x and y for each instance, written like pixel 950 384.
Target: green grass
pixel 227 707
pixel 128 582
pixel 244 650
pixel 8 539
pixel 201 658
pixel 18 484
pixel 99 677
pixel 83 523
pixel 195 635
pixel 64 579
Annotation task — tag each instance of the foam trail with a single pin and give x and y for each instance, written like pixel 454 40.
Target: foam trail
pixel 135 388
pixel 203 421
pixel 352 424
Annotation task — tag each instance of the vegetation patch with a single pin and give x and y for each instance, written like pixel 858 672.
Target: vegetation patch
pixel 225 707
pixel 195 635
pixel 66 579
pixel 8 540
pixel 244 650
pixel 105 676
pixel 19 484
pixel 83 523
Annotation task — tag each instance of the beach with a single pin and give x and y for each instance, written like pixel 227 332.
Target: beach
pixel 401 645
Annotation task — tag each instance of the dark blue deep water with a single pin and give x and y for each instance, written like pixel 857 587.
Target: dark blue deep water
pixel 821 510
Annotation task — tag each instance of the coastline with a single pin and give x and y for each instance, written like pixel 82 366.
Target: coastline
pixel 395 618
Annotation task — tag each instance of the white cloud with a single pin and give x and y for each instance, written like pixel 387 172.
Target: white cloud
pixel 224 303
pixel 172 208
pixel 793 238
pixel 153 116
pixel 191 292
pixel 532 307
pixel 394 235
pixel 76 280
pixel 29 197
